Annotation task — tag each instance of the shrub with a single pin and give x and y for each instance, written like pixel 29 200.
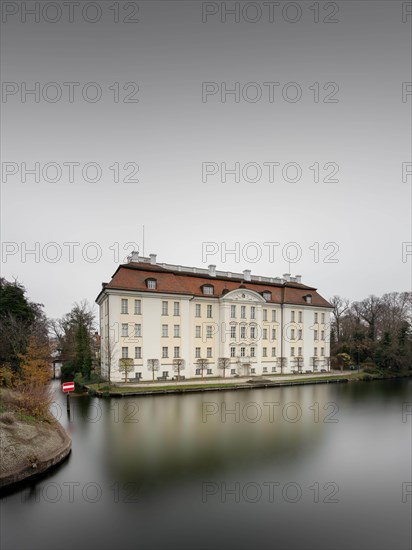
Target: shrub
pixel 6 376
pixel 34 400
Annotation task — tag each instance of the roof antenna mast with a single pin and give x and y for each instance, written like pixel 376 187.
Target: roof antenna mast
pixel 143 238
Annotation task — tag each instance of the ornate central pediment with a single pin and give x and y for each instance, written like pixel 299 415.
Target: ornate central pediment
pixel 242 295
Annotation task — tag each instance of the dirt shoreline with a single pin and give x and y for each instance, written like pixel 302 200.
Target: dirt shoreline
pixel 30 448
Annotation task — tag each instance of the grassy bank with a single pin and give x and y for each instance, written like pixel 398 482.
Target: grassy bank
pixel 116 390
pixel 123 390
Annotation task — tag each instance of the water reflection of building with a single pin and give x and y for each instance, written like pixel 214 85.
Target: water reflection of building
pixel 166 437
pixel 156 318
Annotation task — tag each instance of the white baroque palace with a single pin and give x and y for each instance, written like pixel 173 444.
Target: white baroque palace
pixel 208 323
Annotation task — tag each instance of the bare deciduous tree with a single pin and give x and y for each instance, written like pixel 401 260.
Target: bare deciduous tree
pixel 126 365
pixel 153 366
pixel 109 353
pixel 178 365
pixel 369 311
pixel 223 364
pixel 340 306
pixel 202 364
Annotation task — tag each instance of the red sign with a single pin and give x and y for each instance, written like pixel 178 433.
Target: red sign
pixel 68 386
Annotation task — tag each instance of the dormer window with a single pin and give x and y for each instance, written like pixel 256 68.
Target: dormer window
pixel 308 298
pixel 151 283
pixel 267 295
pixel 207 289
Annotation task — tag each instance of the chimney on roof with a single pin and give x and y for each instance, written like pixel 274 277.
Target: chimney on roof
pixel 152 259
pixel 286 276
pixel 212 270
pixel 298 278
pixel 134 256
pixel 246 275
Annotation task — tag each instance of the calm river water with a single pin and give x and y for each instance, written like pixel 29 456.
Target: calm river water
pixel 304 467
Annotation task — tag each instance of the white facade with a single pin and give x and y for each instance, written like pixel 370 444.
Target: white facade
pixel 255 336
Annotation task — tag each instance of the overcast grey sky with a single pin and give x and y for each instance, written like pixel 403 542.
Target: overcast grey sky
pixel 326 100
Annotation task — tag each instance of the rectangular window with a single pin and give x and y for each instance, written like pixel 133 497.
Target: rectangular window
pixel 207 290
pixel 176 331
pixel 233 332
pixel 273 352
pixel 265 334
pixel 243 312
pixel 198 331
pixel 176 308
pixel 209 331
pixel 315 335
pixel 197 353
pixel 322 334
pixel 165 373
pixel 137 353
pixel 292 316
pixel 273 315
pixel 300 352
pixel 232 352
pixel 264 352
pixel 209 353
pixel 137 307
pixel 265 314
pixel 151 283
pixel 176 352
pixel 209 311
pixel 198 371
pixel 165 331
pixel 209 371
pixel 252 370
pixel 322 317
pixel 198 310
pixel 253 312
pixel 125 329
pixel 292 352
pixel 300 334
pixel 125 305
pixel 232 371
pixel 242 352
pixel 273 369
pixel 252 352
pixel 125 353
pixel 137 330
pixel 315 352
pixel 165 352
pixel 232 312
pixel 300 316
pixel 273 334
pixel 165 308
pixel 265 369
pixel 253 332
pixel 322 351
pixel 316 317
pixel 292 334
pixel 243 332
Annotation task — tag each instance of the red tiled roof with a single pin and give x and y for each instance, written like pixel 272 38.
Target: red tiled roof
pixel 132 276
